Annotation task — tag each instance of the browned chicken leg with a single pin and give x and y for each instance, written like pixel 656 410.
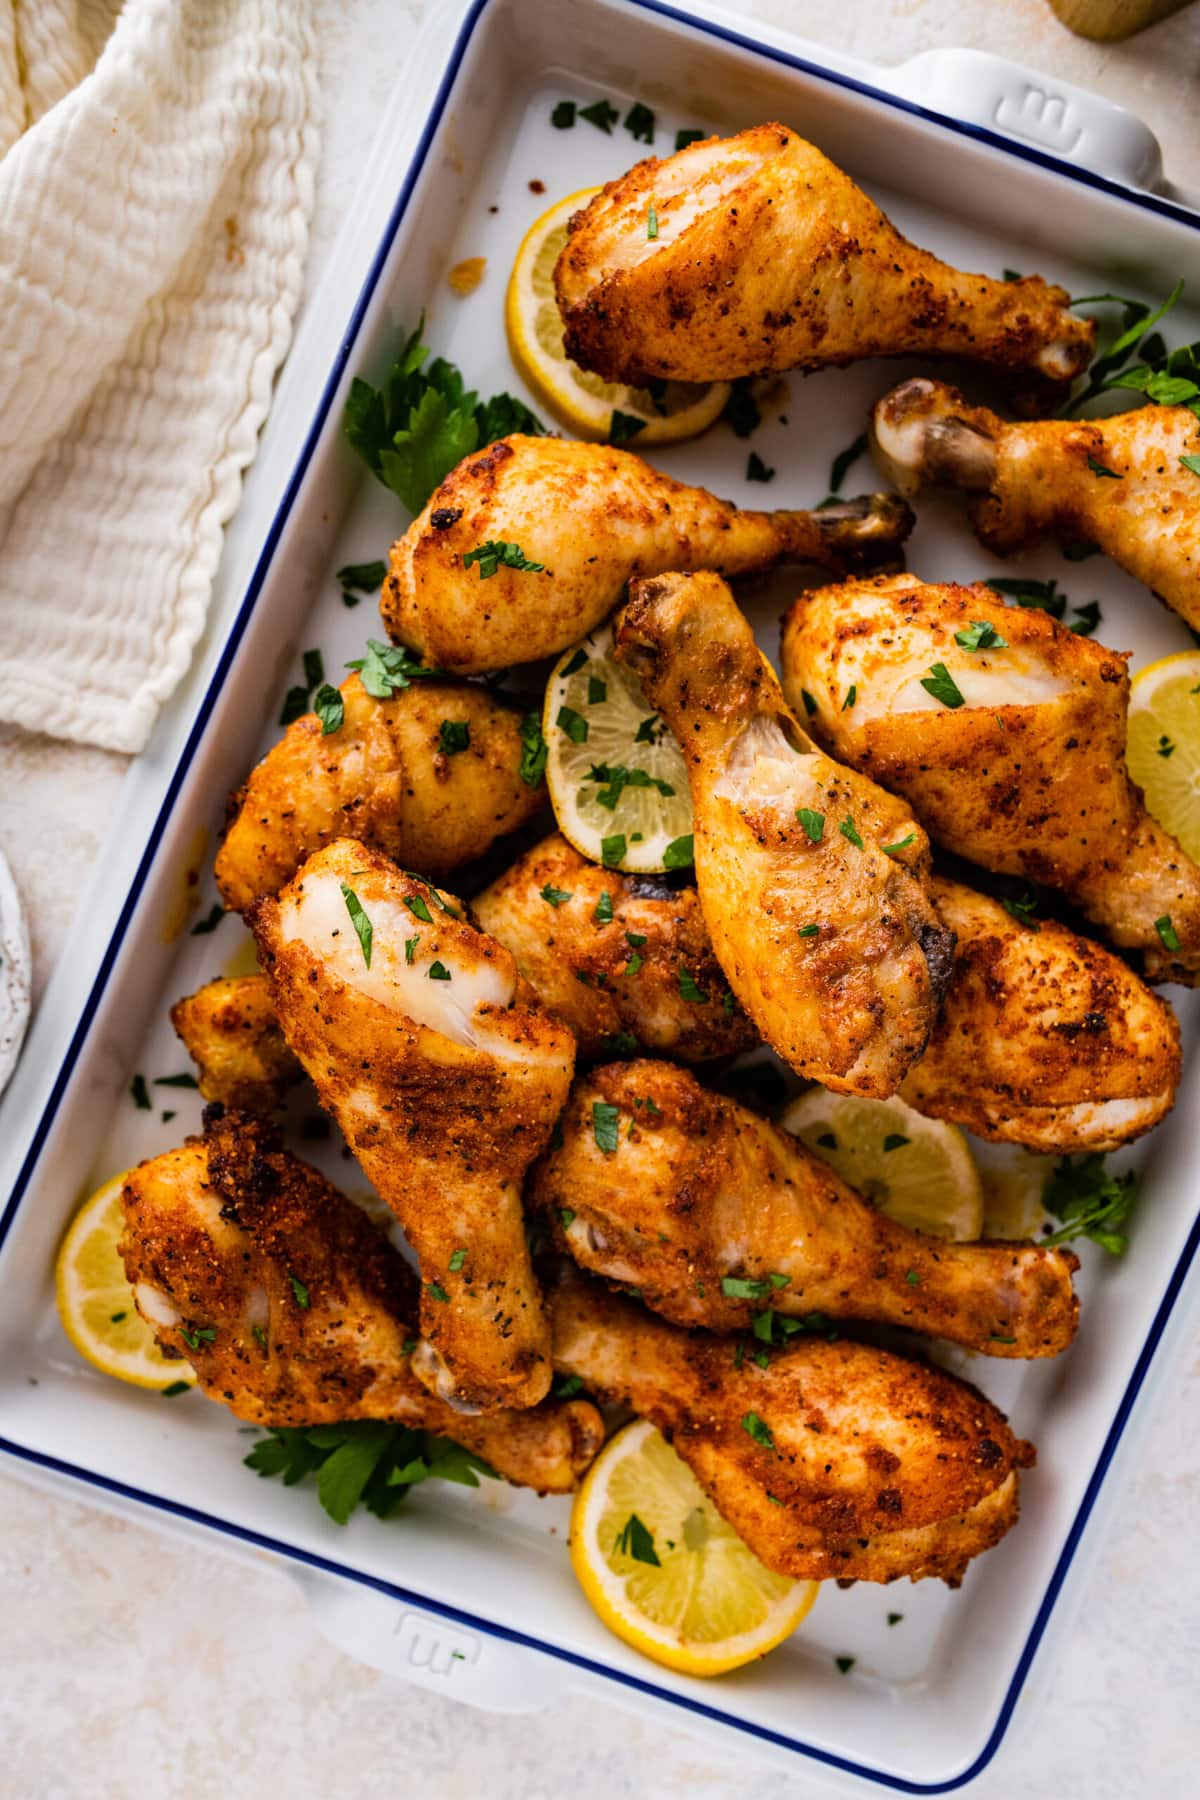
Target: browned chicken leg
pixel 715 1216
pixel 1118 482
pixel 611 968
pixel 292 1307
pixel 833 1460
pixel 446 1079
pixel 766 256
pixel 587 517
pixel 1005 732
pixel 383 777
pixel 231 1033
pixel 812 881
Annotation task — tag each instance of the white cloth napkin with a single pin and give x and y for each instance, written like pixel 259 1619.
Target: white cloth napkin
pixel 157 160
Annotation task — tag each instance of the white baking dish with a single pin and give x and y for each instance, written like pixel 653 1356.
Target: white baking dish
pixel 471 1594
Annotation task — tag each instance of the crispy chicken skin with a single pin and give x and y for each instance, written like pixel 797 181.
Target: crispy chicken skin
pixel 1027 776
pixel 592 516
pixel 700 1193
pixel 230 1031
pixel 851 1002
pixel 445 1077
pixel 215 1232
pixel 768 257
pixel 605 978
pixel 383 778
pixel 1044 1038
pixel 878 1467
pixel 1045 479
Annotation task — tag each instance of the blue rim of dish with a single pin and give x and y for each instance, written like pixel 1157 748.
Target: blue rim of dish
pixel 900 1784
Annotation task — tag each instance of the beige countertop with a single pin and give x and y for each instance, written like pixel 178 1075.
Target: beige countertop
pixel 129 1661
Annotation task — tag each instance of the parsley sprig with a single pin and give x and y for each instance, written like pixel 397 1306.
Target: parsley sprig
pixel 1091 1202
pixel 421 423
pixel 363 1462
pixel 1167 377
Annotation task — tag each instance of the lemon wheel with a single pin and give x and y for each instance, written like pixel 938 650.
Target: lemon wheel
pixel 617 779
pixel 663 1570
pixel 919 1171
pixel 1164 744
pixel 95 1300
pixel 584 403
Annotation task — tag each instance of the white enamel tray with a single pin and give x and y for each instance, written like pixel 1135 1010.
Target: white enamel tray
pixel 472 1594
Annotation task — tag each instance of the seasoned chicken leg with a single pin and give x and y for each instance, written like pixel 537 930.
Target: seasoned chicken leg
pixel 716 1216
pixel 1118 482
pixel 833 1460
pixel 385 778
pixel 1012 756
pixel 812 881
pixel 588 517
pixel 1044 1038
pixel 766 256
pixel 446 1079
pixel 231 1033
pixel 292 1307
pixel 612 968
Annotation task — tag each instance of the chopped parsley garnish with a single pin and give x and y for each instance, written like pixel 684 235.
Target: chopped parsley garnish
pixel 203 1334
pixel 741 409
pixel 360 578
pixel 453 736
pixel 849 830
pixel 846 1663
pixel 330 708
pixel 534 751
pixel 620 1043
pixel 1090 1202
pixel 680 853
pixel 410 948
pixel 299 1291
pixel 1191 464
pixel 438 1292
pixel 314 668
pixel 566 1217
pixel 900 844
pixel 597 691
pixel 363 1462
pixel 810 705
pixel 1165 746
pixel 1027 592
pixel 1167 934
pixel 600 114
pixel 495 554
pixel 756 468
pixel 827 1141
pixel 116 1318
pixel 210 921
pixel 1086 619
pixel 895 1140
pixel 894 1618
pixel 684 138
pixel 941 684
pixel 175 1389
pixel 565 1387
pixel 649 731
pixel 419 908
pixel 635 939
pixel 1024 909
pixel 555 896
pixel 1099 468
pixel 844 461
pixel 808 931
pixel 633 965
pixel 635 1540
pixel 616 777
pixel 573 723
pixel 140 1093
pixel 758 1429
pixel 423 421
pixel 563 116
pixel 388 669
pixel 1170 378
pixel 437 971
pixel 981 634
pixel 639 123
pixel 689 990
pixel 606 1127
pixel 1079 550
pixel 457 1259
pixel 258 1333
pixel 737 1287
pixel 813 823
pixel 602 912
pixel 176 1081
pixel 624 426
pixel 576 663
pixel 651 222
pixel 612 849
pixel 295 705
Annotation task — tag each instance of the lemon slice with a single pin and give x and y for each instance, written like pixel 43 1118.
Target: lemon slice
pixel 707 1604
pixel 617 779
pixel 95 1301
pixel 918 1171
pixel 584 403
pixel 1164 744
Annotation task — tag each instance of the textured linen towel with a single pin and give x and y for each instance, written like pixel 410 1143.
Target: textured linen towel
pixel 157 160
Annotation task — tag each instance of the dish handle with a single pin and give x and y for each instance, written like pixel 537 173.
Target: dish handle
pixel 413 1643
pixel 1067 121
